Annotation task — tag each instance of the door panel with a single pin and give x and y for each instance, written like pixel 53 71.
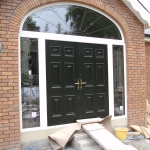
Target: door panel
pixel 77 81
pixel 100 74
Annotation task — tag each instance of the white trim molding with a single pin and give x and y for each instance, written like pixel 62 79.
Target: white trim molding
pixel 140 12
pixel 41 36
pixel 147 39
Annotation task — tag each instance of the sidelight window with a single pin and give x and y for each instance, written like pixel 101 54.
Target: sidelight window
pixel 118 68
pixel 30 83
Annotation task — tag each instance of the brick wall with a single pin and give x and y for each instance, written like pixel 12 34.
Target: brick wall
pixel 11 14
pixel 147 48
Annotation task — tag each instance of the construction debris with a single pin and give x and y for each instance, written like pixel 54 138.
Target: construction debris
pixel 133 133
pixel 101 130
pixel 146 132
pixel 104 138
pixel 143 130
pixel 147 107
pixel 136 128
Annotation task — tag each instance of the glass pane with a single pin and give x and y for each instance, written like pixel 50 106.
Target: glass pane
pixel 30 83
pixel 118 68
pixel 71 20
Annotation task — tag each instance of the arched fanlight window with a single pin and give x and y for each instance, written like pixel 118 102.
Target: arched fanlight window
pixel 71 20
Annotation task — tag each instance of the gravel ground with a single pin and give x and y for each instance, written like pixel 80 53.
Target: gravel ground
pixel 141 144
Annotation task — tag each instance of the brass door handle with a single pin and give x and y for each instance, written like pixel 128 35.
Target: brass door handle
pixel 81 84
pixel 78 83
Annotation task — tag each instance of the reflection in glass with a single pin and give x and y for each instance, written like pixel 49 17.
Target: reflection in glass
pixel 118 67
pixel 30 83
pixel 71 20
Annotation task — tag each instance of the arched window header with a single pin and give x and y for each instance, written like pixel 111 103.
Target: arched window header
pixel 71 20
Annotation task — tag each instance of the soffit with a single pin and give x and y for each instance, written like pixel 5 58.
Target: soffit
pixel 140 12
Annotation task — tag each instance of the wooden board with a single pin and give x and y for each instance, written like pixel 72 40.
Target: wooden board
pixel 104 138
pixel 90 120
pixel 148 126
pixel 136 128
pixel 146 132
pixel 147 119
pixel 129 147
pixel 133 133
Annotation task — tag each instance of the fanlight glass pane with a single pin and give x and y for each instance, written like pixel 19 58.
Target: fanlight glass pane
pixel 118 67
pixel 30 83
pixel 71 20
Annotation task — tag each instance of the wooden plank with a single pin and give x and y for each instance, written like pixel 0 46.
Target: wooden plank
pixel 102 141
pixel 136 128
pixel 148 126
pixel 133 133
pixel 104 138
pixel 148 119
pixel 146 132
pixel 129 147
pixel 112 139
pixel 90 120
pixel 147 107
pixel 93 126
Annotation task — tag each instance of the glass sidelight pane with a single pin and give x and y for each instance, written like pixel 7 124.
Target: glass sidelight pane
pixel 118 68
pixel 30 83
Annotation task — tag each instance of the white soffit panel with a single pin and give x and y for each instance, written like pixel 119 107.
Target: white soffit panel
pixel 140 12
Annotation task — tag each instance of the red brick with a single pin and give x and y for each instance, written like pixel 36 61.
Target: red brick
pixel 8 139
pixel 11 13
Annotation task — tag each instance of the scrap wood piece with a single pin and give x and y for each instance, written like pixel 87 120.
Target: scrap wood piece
pixel 129 147
pixel 107 123
pixel 136 128
pixel 111 138
pixel 96 136
pixel 133 133
pixel 148 126
pixel 60 138
pixel 148 119
pixel 146 132
pixel 90 120
pixel 104 138
pixel 147 107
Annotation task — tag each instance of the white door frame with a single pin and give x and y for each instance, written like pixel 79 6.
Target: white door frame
pixel 70 38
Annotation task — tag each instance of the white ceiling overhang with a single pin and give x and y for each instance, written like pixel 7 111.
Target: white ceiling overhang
pixel 140 12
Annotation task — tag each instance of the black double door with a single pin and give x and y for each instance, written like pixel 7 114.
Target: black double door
pixel 77 81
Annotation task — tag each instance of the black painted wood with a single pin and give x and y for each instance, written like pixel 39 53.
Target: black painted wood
pixel 66 62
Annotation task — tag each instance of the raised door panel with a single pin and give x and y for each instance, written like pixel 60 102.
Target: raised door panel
pixel 89 103
pixel 100 74
pixel 69 75
pixel 88 74
pixel 57 109
pixel 55 75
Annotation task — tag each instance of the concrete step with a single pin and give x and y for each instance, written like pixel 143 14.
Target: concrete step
pixel 96 147
pixel 82 141
pixel 80 136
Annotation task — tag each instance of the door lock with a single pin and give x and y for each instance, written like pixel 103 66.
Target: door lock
pixel 79 83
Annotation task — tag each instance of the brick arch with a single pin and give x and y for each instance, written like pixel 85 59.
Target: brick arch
pixel 28 5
